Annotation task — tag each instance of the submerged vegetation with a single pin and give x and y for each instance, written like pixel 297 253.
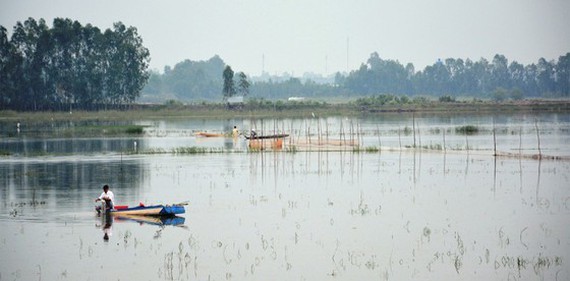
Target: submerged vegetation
pixel 101 130
pixel 467 130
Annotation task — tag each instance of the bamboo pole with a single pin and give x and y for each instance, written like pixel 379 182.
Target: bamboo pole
pixel 444 146
pixel 520 142
pixel 379 141
pixel 494 138
pixel 414 127
pixel 538 138
pixel 399 138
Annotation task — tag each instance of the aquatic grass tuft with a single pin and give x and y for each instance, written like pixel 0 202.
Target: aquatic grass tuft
pixel 292 149
pixel 371 149
pixel 189 150
pixel 436 147
pixel 98 130
pixel 134 130
pixel 467 130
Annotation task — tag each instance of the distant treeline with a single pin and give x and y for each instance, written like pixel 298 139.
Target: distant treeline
pixel 188 80
pixel 497 79
pixel 70 66
pixel 457 77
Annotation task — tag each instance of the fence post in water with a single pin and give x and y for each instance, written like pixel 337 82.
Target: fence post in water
pixel 444 147
pixel 342 135
pixel 327 130
pixel 466 139
pixel 319 130
pixel 414 127
pixel 399 138
pixel 351 133
pixel 379 141
pixel 520 142
pixel 494 139
pixel 538 138
pixel 419 137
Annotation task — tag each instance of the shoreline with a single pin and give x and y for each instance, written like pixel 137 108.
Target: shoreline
pixel 218 110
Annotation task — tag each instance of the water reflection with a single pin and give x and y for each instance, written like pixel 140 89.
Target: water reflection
pixel 152 220
pixel 106 225
pixel 68 183
pixel 386 215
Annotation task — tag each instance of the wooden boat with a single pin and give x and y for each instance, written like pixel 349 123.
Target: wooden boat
pixel 154 210
pixel 209 135
pixel 276 136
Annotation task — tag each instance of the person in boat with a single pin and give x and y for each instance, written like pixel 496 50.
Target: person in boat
pixel 235 132
pixel 108 197
pixel 253 133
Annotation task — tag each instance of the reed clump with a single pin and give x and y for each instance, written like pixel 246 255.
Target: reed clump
pixel 467 130
pixel 371 149
pixel 190 150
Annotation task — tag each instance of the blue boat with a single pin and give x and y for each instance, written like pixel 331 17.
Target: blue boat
pixel 155 210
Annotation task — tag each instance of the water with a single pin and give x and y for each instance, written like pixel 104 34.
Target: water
pixel 394 215
pixel 514 133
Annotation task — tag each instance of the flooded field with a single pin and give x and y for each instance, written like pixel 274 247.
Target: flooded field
pixel 388 214
pixel 527 134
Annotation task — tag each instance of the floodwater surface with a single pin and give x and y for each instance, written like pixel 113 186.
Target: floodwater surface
pixel 285 216
pixel 383 215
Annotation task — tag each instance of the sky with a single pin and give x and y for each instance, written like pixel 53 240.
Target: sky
pixel 321 36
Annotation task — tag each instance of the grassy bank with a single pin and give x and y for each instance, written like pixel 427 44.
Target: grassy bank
pixel 292 109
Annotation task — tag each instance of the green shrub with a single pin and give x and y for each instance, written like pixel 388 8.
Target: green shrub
pixel 134 130
pixel 447 98
pixel 467 130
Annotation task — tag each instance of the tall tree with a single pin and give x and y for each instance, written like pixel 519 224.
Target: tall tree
pixel 563 75
pixel 127 61
pixel 545 76
pixel 243 84
pixel 7 89
pixel 229 85
pixel 70 64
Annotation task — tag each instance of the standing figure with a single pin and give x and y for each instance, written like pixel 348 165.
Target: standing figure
pixel 235 132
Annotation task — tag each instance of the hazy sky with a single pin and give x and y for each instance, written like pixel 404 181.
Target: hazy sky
pixel 298 36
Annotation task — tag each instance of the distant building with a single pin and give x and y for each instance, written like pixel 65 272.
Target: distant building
pixel 296 99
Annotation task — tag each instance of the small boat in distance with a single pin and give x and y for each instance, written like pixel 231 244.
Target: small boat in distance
pixel 276 136
pixel 209 135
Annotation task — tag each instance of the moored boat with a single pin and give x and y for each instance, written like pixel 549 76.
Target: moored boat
pixel 276 136
pixel 209 135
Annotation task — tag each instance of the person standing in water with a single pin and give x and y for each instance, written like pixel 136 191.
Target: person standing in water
pixel 235 132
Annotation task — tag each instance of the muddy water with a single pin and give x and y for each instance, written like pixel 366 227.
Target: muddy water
pixel 288 216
